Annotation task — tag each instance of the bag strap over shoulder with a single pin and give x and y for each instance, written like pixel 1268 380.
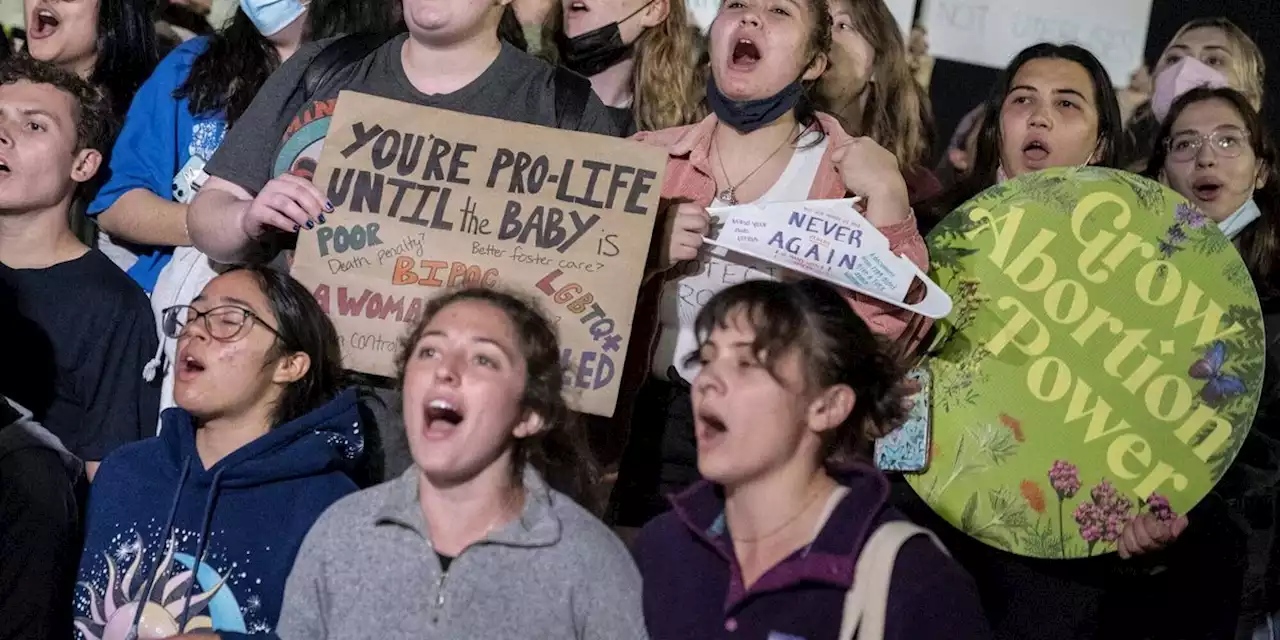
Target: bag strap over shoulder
pixel 337 56
pixel 867 602
pixel 572 94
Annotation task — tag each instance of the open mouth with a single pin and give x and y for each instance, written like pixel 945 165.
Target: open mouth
pixel 745 54
pixel 43 23
pixel 709 426
pixel 442 417
pixel 1035 151
pixel 188 367
pixel 4 166
pixel 575 7
pixel 1207 189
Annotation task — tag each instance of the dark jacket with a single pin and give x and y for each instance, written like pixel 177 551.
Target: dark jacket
pixel 693 587
pixel 40 482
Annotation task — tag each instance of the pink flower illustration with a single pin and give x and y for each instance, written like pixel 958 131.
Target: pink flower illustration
pixel 1158 506
pixel 1064 477
pixel 1103 519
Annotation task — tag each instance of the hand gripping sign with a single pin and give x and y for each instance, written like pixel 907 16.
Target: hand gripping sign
pixel 827 239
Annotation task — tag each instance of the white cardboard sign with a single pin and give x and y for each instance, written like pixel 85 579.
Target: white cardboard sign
pixel 704 11
pixel 992 32
pixel 827 239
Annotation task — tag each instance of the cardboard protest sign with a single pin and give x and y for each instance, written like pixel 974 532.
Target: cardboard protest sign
pixel 827 239
pixel 1105 359
pixel 428 199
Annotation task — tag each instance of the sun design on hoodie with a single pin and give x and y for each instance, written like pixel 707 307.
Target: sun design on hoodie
pixel 162 602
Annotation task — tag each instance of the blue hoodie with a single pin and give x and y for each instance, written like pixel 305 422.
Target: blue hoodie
pixel 245 518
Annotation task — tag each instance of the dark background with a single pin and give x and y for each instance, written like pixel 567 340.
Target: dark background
pixel 958 87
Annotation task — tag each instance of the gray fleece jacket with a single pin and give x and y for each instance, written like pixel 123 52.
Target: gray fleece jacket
pixel 367 570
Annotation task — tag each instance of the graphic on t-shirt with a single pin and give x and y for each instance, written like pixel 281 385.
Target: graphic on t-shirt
pixel 168 593
pixel 304 140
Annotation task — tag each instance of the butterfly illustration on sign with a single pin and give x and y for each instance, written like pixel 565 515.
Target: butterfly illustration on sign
pixel 1218 385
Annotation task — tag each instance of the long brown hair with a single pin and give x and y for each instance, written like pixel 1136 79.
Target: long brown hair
pixel 1259 243
pixel 896 108
pixel 559 451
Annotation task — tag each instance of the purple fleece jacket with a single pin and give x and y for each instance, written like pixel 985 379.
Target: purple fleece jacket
pixel 693 587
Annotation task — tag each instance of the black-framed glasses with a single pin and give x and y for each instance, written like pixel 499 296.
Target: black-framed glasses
pixel 1228 143
pixel 225 323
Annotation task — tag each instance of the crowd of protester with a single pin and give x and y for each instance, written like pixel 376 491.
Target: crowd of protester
pixel 175 401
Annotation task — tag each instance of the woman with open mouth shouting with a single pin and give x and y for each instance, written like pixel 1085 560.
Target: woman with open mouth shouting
pixel 1215 150
pixel 764 142
pixel 195 531
pixel 481 537
pixel 791 385
pixel 1054 106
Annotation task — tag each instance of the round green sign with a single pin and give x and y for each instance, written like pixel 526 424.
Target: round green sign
pixel 1104 359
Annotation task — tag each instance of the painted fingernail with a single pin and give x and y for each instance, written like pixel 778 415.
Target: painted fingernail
pixel 322 218
pixel 328 206
pixel 311 224
pixel 296 227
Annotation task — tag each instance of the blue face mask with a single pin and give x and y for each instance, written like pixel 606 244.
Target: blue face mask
pixel 272 16
pixel 1232 225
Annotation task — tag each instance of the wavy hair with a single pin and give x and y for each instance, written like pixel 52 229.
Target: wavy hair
pixel 668 85
pixel 897 107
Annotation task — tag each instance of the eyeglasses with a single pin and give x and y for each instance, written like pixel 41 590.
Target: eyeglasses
pixel 1228 143
pixel 225 323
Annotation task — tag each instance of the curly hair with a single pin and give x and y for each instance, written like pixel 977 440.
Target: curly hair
pixel 92 110
pixel 559 451
pixel 668 84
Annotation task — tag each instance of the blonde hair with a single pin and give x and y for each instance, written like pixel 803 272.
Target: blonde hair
pixel 897 107
pixel 1247 61
pixel 667 83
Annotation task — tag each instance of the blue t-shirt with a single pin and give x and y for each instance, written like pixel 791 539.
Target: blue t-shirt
pixel 160 136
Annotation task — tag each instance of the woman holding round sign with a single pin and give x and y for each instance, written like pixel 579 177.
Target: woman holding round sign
pixel 1055 107
pixel 764 142
pixel 1090 386
pixel 1215 150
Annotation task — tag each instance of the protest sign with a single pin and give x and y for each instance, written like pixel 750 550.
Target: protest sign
pixel 702 12
pixel 992 32
pixel 827 239
pixel 428 199
pixel 1105 359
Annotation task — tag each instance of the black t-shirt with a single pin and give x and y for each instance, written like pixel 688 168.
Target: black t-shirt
pixel 79 334
pixel 624 119
pixel 276 136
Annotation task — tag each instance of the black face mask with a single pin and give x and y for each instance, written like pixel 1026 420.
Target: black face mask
pixel 592 52
pixel 748 115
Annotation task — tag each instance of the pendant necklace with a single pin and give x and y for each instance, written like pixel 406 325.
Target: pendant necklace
pixel 729 194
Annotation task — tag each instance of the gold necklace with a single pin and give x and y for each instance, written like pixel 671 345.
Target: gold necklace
pixel 776 530
pixel 729 194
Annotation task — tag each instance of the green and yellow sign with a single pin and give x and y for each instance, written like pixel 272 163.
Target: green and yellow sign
pixel 1104 359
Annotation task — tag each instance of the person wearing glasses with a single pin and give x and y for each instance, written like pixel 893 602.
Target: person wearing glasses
pixel 195 531
pixel 1215 150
